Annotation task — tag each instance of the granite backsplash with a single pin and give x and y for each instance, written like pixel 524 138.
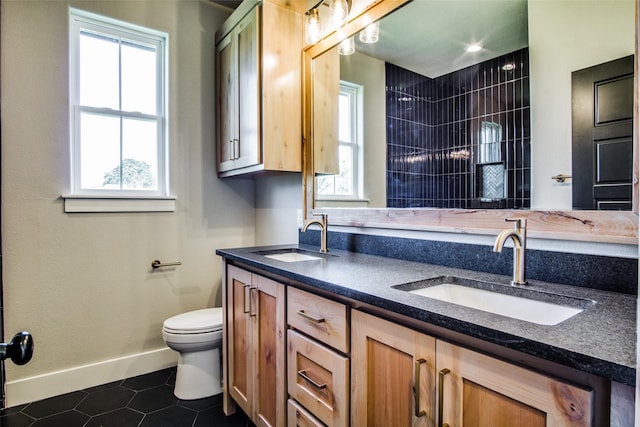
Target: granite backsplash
pixel 592 271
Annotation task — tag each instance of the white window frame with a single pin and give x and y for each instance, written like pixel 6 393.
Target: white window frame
pixel 114 200
pixel 356 107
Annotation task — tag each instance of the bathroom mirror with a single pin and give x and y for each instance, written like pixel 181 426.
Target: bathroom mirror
pixel 551 214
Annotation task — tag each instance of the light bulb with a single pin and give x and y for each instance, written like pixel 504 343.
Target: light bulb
pixel 474 47
pixel 312 27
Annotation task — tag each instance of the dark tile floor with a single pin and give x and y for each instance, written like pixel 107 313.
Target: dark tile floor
pixel 143 401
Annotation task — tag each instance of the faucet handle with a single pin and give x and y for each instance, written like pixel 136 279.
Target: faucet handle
pixel 520 223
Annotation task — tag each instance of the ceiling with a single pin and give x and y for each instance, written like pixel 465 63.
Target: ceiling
pixel 429 37
pixel 228 3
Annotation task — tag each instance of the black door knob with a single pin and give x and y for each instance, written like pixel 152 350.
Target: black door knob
pixel 19 349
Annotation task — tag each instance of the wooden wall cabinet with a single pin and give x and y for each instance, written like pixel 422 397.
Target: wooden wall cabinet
pixel 255 358
pixel 326 92
pixel 395 371
pixel 259 89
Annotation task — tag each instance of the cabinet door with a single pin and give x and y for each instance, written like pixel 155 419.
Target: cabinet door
pixel 248 150
pixel 477 390
pixel 326 84
pixel 269 350
pixel 256 347
pixel 238 95
pixel 226 63
pixel 240 340
pixel 392 374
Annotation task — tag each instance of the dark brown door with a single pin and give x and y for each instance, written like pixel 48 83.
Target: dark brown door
pixel 602 126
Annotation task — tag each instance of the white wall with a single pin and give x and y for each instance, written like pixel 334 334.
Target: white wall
pixel 278 208
pixel 565 36
pixel 369 72
pixel 82 283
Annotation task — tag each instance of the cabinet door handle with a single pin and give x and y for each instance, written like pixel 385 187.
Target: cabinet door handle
pixel 253 292
pixel 303 374
pixel 232 154
pixel 310 317
pixel 244 306
pixel 416 391
pixel 441 375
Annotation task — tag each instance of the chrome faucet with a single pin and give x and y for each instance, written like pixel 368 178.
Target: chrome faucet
pixel 519 237
pixel 322 222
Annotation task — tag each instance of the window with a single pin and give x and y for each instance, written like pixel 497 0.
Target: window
pixel 118 79
pixel 346 185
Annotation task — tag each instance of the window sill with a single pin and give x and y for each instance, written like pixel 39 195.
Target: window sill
pixel 84 204
pixel 338 199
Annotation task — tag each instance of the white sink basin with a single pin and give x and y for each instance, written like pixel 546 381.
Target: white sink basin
pixel 528 305
pixel 292 257
pixel 293 254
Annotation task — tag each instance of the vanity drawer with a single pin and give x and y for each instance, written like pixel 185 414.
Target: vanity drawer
pixel 297 416
pixel 319 317
pixel 318 378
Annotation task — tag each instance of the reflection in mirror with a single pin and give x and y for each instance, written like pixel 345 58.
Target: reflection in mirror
pixel 460 140
pixel 440 127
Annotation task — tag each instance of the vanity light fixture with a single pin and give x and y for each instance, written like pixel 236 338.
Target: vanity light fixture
pixel 347 46
pixel 312 26
pixel 475 47
pixel 370 33
pixel 338 11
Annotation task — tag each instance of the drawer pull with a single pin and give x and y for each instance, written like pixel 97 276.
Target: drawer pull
pixel 303 374
pixel 441 375
pixel 310 317
pixel 416 394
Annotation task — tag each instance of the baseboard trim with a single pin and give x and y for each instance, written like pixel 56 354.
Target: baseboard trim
pixel 65 381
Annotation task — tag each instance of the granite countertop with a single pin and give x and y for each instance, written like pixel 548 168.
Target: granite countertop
pixel 600 340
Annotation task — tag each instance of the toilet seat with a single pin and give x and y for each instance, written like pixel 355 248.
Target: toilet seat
pixel 195 322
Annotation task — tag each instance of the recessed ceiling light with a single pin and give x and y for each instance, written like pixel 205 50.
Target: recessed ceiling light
pixel 474 47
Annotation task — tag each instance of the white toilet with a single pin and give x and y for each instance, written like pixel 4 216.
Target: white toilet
pixel 197 336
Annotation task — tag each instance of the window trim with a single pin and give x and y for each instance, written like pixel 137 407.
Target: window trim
pixel 106 199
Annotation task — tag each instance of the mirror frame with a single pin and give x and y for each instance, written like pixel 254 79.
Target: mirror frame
pixel 594 226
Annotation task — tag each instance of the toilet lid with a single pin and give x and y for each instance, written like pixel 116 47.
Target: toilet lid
pixel 198 321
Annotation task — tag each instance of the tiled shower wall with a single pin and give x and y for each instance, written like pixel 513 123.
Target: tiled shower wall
pixel 461 140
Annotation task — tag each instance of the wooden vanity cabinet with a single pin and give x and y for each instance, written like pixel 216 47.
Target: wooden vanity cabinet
pixel 299 359
pixel 258 88
pixel 406 378
pixel 255 332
